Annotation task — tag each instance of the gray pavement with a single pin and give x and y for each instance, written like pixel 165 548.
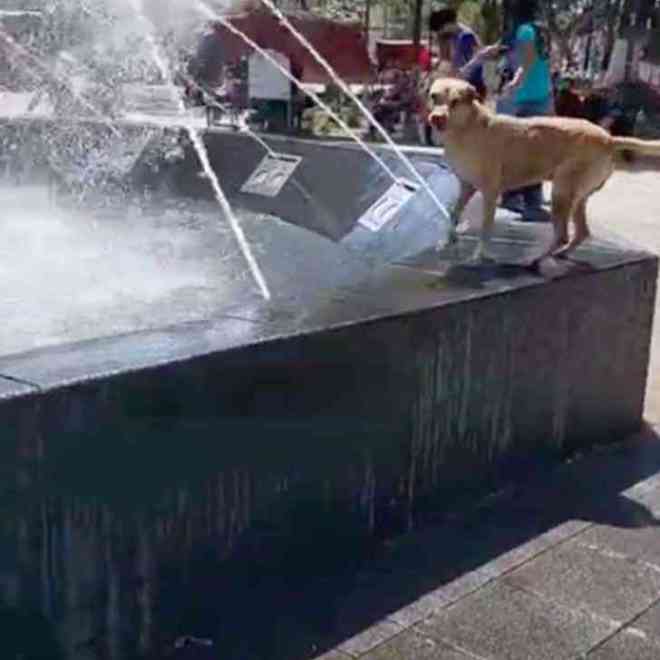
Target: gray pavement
pixel 564 566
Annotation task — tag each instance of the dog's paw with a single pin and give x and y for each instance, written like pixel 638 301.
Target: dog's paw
pixel 450 242
pixel 482 256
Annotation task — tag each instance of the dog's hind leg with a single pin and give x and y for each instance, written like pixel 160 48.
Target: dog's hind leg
pixel 581 229
pixel 593 180
pixel 562 208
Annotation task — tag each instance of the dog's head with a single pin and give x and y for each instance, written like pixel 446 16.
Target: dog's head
pixel 451 103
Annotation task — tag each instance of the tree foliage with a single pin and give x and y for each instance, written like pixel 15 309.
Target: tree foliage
pixel 567 18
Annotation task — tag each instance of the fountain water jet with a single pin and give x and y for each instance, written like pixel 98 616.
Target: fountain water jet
pixel 202 154
pixel 367 113
pixel 209 13
pixel 34 58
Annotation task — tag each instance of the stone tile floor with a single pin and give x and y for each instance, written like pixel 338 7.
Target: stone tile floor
pixel 564 566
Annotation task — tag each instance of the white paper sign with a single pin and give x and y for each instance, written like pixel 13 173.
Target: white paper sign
pixel 266 81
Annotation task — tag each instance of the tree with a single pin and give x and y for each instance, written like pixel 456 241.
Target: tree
pixel 565 18
pixel 417 25
pixel 484 16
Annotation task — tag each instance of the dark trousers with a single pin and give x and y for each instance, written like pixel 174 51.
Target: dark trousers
pixel 532 195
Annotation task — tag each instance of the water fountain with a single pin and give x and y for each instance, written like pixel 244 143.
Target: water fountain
pixel 185 452
pixel 363 108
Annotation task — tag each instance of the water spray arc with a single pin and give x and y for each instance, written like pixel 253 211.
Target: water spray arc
pixel 211 15
pixel 365 111
pixel 202 154
pixel 8 39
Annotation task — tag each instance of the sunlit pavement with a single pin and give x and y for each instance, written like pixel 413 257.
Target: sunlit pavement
pixel 629 205
pixel 566 566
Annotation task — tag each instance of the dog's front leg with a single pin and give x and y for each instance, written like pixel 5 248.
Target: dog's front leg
pixel 483 247
pixel 464 196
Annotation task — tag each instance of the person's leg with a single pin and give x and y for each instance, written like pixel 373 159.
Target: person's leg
pixel 511 200
pixel 533 195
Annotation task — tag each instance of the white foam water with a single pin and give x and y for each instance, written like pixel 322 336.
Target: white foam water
pixel 69 274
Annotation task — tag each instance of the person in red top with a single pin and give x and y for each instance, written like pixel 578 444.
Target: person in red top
pixel 424 59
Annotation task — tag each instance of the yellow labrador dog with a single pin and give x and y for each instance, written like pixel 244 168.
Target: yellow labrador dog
pixel 493 153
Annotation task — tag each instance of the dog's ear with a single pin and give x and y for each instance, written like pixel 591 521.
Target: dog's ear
pixel 438 91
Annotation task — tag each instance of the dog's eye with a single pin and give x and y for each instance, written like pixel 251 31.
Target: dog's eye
pixel 435 99
pixel 453 103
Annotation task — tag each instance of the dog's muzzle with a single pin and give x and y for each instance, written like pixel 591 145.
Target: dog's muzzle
pixel 438 120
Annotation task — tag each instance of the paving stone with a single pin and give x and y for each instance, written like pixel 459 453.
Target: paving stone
pixel 627 645
pixel 608 585
pixel 418 610
pixel 502 622
pixel 651 497
pixel 464 585
pixel 642 543
pixel 370 638
pixel 412 645
pixel 334 655
pixel 523 553
pixel 649 622
pixel 648 489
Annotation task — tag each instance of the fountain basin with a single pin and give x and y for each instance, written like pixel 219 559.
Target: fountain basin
pixel 167 431
pixel 471 370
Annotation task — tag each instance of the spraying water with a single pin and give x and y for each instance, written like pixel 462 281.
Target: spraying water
pixel 367 113
pixel 8 39
pixel 202 154
pixel 246 129
pixel 209 13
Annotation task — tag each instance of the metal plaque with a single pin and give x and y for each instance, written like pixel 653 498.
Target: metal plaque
pixel 385 208
pixel 271 174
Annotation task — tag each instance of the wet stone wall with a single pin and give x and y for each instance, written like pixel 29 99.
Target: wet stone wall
pixel 130 503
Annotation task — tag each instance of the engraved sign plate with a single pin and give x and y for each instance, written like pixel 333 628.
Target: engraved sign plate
pixel 271 174
pixel 385 208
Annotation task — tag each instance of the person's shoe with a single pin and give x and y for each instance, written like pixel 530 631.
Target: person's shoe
pixel 513 204
pixel 536 214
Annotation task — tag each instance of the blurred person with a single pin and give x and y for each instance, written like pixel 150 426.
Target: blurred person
pixel 568 102
pixel 447 67
pixel 399 96
pixel 463 43
pixel 530 90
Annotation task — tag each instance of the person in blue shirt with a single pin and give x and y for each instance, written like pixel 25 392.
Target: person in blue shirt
pixel 530 90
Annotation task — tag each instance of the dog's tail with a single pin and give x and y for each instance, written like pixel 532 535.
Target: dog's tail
pixel 641 147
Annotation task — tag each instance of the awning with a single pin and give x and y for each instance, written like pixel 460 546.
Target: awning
pixel 402 52
pixel 343 45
